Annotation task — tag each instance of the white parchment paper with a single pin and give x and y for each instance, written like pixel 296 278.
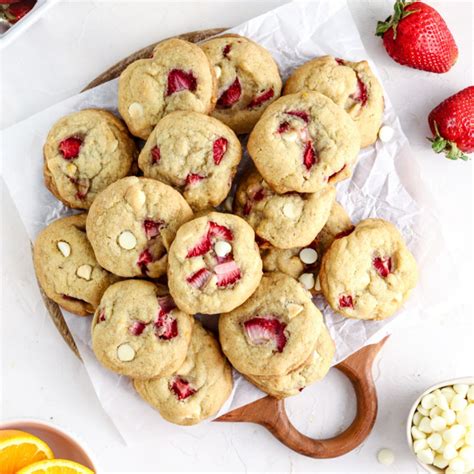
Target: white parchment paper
pixel 385 184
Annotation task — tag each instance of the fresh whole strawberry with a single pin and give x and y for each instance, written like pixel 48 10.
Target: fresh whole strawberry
pixel 417 36
pixel 16 10
pixel 452 124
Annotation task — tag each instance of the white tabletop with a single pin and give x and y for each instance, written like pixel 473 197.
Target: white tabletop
pixel 41 377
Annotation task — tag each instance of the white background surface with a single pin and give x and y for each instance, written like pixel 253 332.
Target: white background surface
pixel 41 378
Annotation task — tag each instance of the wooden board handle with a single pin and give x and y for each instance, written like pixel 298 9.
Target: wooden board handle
pixel 270 412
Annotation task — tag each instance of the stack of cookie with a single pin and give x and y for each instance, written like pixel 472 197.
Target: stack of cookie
pixel 144 263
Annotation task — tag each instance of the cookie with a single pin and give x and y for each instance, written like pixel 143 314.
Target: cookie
pixel 177 77
pixel 66 267
pixel 198 389
pixel 138 331
pixel 351 85
pixel 213 264
pixel 315 368
pixel 132 223
pixel 194 153
pixel 299 261
pixel 248 80
pixel 369 273
pixel 302 142
pixel 285 220
pixel 84 153
pixel 274 331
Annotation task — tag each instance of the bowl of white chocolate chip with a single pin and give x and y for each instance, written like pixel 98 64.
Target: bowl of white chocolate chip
pixel 440 427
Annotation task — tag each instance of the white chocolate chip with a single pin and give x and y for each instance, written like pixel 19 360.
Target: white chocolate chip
pixel 438 423
pixel 454 434
pixel 290 136
pixel 457 464
pixel 436 411
pixel 290 211
pixel 416 433
pixel 428 401
pixel 470 393
pixel 135 197
pixel 84 271
pixel 425 425
pixel 423 411
pixel 64 248
pixel 420 444
pixel 308 256
pixel 458 403
pixel 222 248
pixel 426 456
pixel 440 461
pixel 217 71
pixel 317 285
pixel 307 280
pixel 294 309
pixel 435 441
pixel 127 240
pixel 386 457
pixel 467 453
pixel 71 169
pixel 135 110
pixel 113 146
pixel 449 393
pixel 441 401
pixel 386 133
pixel 125 352
pixel 449 416
pixel 417 418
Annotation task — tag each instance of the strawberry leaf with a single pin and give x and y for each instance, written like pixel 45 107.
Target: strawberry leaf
pixel 451 150
pixel 392 21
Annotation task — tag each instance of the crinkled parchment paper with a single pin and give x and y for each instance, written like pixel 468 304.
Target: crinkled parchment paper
pixel 385 184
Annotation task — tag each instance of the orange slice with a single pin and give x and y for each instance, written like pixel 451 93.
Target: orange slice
pixel 18 449
pixel 55 466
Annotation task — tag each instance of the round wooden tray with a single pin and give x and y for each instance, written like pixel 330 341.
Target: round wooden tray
pixel 268 411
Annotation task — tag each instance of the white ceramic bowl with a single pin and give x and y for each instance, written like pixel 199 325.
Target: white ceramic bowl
pixel 63 444
pixel 446 383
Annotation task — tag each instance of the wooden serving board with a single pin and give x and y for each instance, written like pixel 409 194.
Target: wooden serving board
pixel 270 412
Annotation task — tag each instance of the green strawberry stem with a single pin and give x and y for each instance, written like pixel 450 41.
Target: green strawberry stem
pixel 393 21
pixel 450 149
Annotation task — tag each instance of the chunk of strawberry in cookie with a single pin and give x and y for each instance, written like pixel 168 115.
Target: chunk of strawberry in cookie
pixel 345 301
pixel 179 80
pixel 231 95
pixel 264 329
pixel 155 155
pixel 360 95
pixel 261 99
pixel 219 147
pixel 199 279
pixel 70 147
pixel 152 228
pixel 193 179
pixel 220 231
pixel 143 260
pixel 137 328
pixel 227 273
pixel 181 388
pixel 166 327
pixel 309 155
pixel 300 114
pixel 383 266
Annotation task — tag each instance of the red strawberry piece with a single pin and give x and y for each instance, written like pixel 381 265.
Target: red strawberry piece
pixel 345 233
pixel 200 278
pixel 452 124
pixel 226 50
pixel 193 178
pixel 155 155
pixel 227 274
pixel 336 173
pixel 70 147
pixel 231 95
pixel 181 388
pixel 144 259
pixel 166 327
pixel 260 99
pixel 202 247
pixel 179 80
pixel 219 147
pixel 16 10
pixel 101 316
pixel 220 231
pixel 83 185
pixel 360 95
pixel 417 36
pixel 137 328
pixel 166 304
pixel 152 228
pixel 309 157
pixel 345 301
pixel 283 127
pixel 300 114
pixel 247 208
pixel 261 330
pixel 259 195
pixel 383 266
pixel 340 61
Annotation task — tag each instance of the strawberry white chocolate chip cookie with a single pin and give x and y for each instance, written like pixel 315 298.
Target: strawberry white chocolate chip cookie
pixel 132 223
pixel 313 369
pixel 285 220
pixel 248 80
pixel 299 261
pixel 351 85
pixel 199 387
pixel 194 153
pixel 213 264
pixel 304 141
pixel 84 153
pixel 177 77
pixel 274 331
pixel 138 331
pixel 66 267
pixel 369 273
